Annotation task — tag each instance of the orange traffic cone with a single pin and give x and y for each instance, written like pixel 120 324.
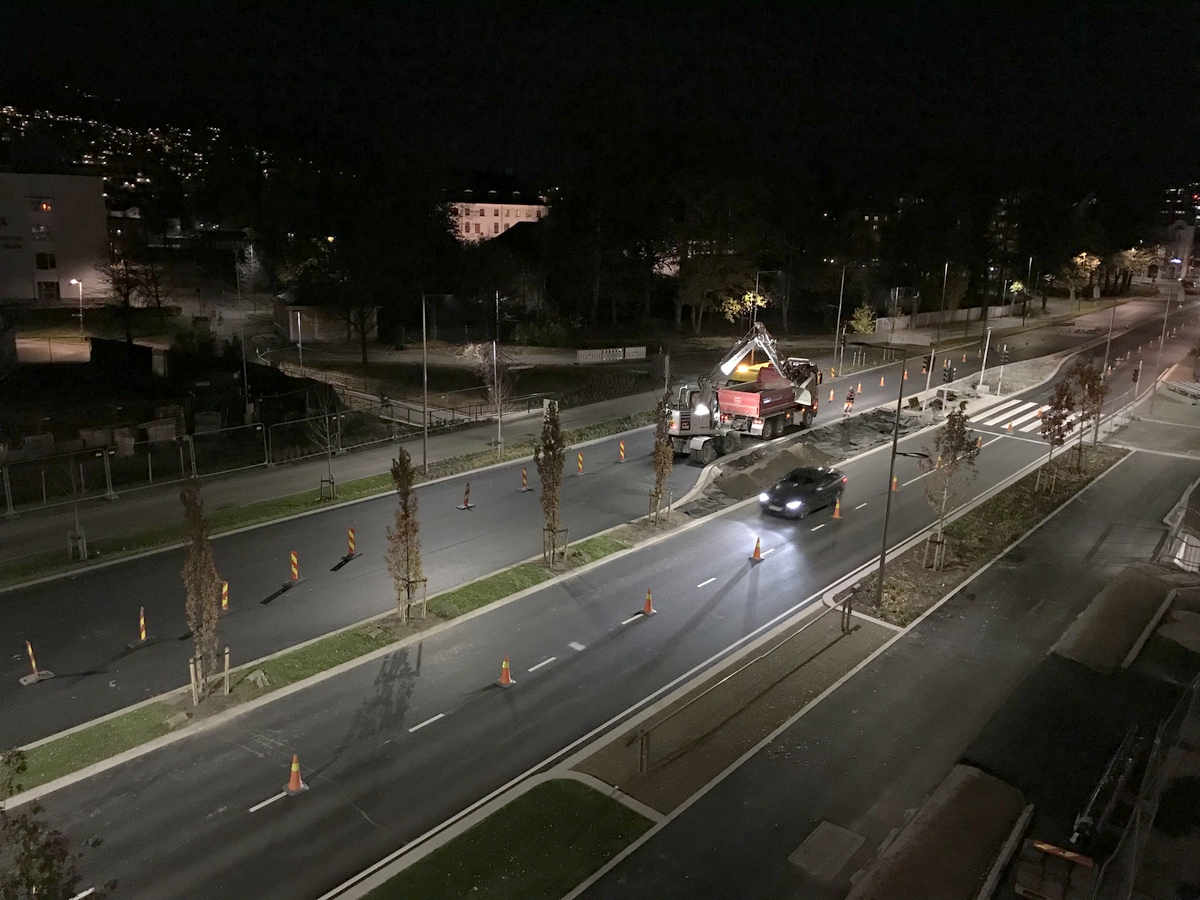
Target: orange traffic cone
pixel 1039 411
pixel 906 374
pixel 831 395
pixel 756 556
pixel 295 784
pixel 506 679
pixel 895 483
pixel 648 609
pixel 881 381
pixel 837 508
pixel 979 443
pixel 859 391
pixel 1010 427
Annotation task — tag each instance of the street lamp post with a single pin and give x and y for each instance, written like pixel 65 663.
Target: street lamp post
pixel 1104 369
pixel 76 281
pixel 938 339
pixel 424 394
pixel 300 338
pixel 1028 284
pixel 839 352
pixel 1162 340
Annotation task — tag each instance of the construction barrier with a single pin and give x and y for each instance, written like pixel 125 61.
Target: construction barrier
pixel 524 483
pixel 350 551
pixel 621 450
pixel 467 504
pixel 580 468
pixel 224 596
pixel 295 566
pixel 142 624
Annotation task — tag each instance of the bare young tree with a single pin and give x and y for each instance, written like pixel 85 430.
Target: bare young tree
pixel 664 454
pixel 1088 390
pixel 951 467
pixel 550 456
pixel 404 540
pixel 121 279
pixel 154 287
pixel 36 862
pixel 1056 419
pixel 492 362
pixel 324 427
pixel 201 583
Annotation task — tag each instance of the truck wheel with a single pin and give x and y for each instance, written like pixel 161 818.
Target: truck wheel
pixel 708 453
pixel 807 419
pixel 733 442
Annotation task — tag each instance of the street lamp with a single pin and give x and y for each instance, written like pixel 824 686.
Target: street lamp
pixel 76 281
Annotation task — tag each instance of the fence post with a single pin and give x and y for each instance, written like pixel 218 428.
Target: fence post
pixel 643 752
pixel 150 465
pixel 8 492
pixel 192 452
pixel 107 475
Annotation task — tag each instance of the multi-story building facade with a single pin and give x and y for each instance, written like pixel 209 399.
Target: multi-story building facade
pixel 1182 203
pixel 479 215
pixel 53 234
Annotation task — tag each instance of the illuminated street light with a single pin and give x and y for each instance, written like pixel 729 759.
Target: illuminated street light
pixel 76 281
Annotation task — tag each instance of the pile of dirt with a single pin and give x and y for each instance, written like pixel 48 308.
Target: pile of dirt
pixel 764 468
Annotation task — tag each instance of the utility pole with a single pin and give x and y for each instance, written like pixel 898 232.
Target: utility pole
pixel 887 507
pixel 424 394
pixel 937 340
pixel 300 337
pixel 986 343
pixel 1162 340
pixel 1104 369
pixel 499 403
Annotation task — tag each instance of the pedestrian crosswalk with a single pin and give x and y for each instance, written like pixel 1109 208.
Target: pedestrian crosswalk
pixel 1017 416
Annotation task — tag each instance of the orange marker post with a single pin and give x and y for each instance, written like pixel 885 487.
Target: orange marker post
pixel 580 465
pixel 895 483
pixel 467 504
pixel 295 558
pixel 621 450
pixel 142 624
pixel 224 596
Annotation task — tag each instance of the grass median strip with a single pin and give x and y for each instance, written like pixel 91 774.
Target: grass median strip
pixel 537 847
pixel 82 748
pixel 91 745
pixel 225 519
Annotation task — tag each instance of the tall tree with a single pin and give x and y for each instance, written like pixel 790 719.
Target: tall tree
pixel 36 862
pixel 201 583
pixel 1056 423
pixel 550 456
pixel 403 536
pixel 121 279
pixel 951 467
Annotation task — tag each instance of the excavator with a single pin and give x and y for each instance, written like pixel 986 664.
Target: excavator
pixel 709 418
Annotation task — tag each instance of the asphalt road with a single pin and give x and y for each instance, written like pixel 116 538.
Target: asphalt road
pixel 875 747
pixel 177 822
pixel 82 627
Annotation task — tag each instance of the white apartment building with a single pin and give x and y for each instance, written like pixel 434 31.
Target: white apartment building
pixel 53 228
pixel 479 215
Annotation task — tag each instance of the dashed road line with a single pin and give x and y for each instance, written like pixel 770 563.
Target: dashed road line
pixel 576 646
pixel 768 552
pixel 633 618
pixel 818 527
pixel 544 662
pixel 700 585
pixel 911 480
pixel 421 725
pixel 268 801
pixel 860 506
pixel 83 894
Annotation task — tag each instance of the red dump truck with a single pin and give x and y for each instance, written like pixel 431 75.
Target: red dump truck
pixel 766 406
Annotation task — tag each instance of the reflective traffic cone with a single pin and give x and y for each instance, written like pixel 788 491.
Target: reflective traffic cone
pixel 979 443
pixel 1010 424
pixel 859 391
pixel 648 609
pixel 895 483
pixel 506 679
pixel 831 395
pixel 295 784
pixel 837 508
pixel 756 556
pixel 881 381
pixel 906 374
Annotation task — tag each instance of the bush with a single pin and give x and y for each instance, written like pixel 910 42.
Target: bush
pixel 551 333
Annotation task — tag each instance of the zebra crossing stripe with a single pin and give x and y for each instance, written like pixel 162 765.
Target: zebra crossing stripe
pixel 988 413
pixel 1005 418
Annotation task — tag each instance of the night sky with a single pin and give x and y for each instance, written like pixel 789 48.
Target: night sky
pixel 860 90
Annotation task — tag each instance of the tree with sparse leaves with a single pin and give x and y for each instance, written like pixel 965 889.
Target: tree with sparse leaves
pixel 664 452
pixel 734 306
pixel 201 583
pixel 951 467
pixel 121 279
pixel 404 539
pixel 36 862
pixel 324 427
pixel 1056 418
pixel 550 456
pixel 1088 390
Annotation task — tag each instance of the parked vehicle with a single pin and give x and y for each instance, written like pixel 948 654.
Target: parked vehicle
pixel 802 491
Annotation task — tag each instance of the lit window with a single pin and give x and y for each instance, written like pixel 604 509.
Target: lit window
pixel 41 233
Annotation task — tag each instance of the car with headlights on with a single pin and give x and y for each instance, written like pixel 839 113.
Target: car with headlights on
pixel 802 491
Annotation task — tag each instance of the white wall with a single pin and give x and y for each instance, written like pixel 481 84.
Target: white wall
pixel 74 228
pixel 480 221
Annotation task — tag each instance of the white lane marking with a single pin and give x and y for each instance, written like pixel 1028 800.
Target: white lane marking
pixel 987 413
pixel 1027 416
pixel 575 646
pixel 1006 417
pixel 766 552
pixel 83 894
pixel 818 527
pixel 992 441
pixel 632 618
pixel 860 506
pixel 544 662
pixel 918 478
pixel 426 722
pixel 269 800
pixel 703 583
